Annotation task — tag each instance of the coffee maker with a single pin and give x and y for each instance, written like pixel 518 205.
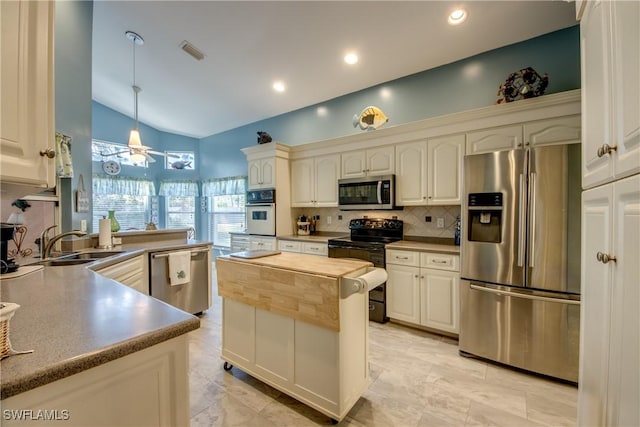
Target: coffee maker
pixel 7 265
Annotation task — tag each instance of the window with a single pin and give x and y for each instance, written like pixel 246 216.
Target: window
pixel 103 150
pixel 128 197
pixel 180 202
pixel 180 160
pixel 225 208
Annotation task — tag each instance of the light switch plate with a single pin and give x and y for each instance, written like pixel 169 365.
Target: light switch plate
pixel 440 223
pixel 83 225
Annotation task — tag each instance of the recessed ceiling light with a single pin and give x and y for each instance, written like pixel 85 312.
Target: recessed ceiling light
pixel 351 58
pixel 457 17
pixel 278 86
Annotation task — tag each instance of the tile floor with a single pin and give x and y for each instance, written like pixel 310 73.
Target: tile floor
pixel 417 380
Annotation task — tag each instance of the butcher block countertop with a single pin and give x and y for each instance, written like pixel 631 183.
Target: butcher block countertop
pixel 299 286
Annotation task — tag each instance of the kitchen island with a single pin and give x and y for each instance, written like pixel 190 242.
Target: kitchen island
pixel 104 353
pixel 296 322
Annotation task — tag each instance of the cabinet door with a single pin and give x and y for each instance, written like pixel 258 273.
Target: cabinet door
pixel 381 161
pixel 560 130
pixel 403 293
pixel 268 173
pixel 444 169
pixel 326 174
pixel 596 110
pixel 496 139
pixel 411 174
pixel 595 305
pixel 302 182
pixel 439 302
pixel 26 37
pixel 624 355
pixel 254 172
pixel 353 164
pixel 626 80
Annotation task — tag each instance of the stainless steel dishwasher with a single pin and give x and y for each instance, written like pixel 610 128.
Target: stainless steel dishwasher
pixel 193 297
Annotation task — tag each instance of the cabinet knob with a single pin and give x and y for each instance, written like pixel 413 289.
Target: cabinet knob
pixel 416 276
pixel 606 149
pixel 50 153
pixel 605 258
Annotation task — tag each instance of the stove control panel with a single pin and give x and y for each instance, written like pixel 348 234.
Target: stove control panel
pixel 377 223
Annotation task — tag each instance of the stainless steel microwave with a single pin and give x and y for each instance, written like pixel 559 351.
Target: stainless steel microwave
pixel 369 192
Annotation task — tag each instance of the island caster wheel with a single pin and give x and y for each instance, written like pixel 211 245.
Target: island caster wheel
pixel 227 366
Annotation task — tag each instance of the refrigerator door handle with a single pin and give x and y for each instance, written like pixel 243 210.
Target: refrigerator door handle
pixel 532 217
pixel 525 296
pixel 521 223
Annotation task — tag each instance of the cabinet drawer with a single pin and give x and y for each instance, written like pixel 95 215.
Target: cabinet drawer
pixel 440 261
pixel 289 245
pixel 315 248
pixel 403 257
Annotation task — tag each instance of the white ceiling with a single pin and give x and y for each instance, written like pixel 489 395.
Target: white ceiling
pixel 248 45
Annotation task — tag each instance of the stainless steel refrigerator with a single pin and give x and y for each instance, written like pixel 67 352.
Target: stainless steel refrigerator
pixel 520 256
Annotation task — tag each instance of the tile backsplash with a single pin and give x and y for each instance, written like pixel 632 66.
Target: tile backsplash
pixel 413 217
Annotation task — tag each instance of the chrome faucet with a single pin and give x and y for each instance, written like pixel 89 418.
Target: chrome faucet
pixel 47 249
pixel 44 239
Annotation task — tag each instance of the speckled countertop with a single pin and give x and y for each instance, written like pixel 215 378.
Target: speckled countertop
pixel 425 245
pixel 74 319
pixel 319 237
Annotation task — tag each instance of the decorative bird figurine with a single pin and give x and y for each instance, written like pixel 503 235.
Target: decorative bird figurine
pixel 370 118
pixel 263 137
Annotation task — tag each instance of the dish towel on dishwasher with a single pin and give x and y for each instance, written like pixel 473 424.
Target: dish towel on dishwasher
pixel 179 268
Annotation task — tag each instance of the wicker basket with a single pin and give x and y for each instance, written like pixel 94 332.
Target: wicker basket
pixel 7 310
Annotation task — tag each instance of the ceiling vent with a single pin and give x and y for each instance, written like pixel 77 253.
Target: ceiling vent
pixel 192 50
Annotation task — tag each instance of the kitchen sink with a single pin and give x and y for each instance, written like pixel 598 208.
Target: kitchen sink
pixel 93 255
pixel 64 262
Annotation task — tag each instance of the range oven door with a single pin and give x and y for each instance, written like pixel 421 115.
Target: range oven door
pixel 261 219
pixel 377 296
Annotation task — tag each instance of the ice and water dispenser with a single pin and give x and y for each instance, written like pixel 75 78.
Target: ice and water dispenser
pixel 485 217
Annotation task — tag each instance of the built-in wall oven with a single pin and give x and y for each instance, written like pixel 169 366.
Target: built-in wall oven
pixel 367 242
pixel 261 212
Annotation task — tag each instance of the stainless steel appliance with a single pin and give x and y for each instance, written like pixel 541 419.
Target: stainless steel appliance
pixel 520 296
pixel 371 192
pixel 367 240
pixel 261 212
pixel 193 297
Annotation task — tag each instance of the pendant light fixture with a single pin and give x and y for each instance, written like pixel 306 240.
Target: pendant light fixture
pixel 135 143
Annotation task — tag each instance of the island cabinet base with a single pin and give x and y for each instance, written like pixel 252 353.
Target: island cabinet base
pixel 325 369
pixel 146 388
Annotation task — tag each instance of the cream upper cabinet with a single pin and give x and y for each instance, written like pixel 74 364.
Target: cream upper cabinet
pixel 610 46
pixel 375 161
pixel 430 172
pixel 262 173
pixel 314 181
pixel 27 139
pixel 559 130
pixel 411 173
pixel 610 345
pixel 494 139
pixel 444 169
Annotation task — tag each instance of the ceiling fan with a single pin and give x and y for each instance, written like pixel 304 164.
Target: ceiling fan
pixel 138 153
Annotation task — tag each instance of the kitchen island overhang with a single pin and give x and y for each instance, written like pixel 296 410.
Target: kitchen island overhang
pixel 286 322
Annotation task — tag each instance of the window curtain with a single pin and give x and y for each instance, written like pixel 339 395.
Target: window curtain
pixel 179 189
pixel 123 185
pixel 225 186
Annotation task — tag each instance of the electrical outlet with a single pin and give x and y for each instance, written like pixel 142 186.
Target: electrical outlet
pixel 427 219
pixel 339 217
pixel 83 225
pixel 440 223
pixel 328 219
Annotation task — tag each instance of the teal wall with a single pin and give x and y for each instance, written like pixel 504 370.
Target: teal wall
pixel 462 85
pixel 73 32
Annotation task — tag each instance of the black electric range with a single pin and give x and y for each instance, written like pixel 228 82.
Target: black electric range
pixel 367 242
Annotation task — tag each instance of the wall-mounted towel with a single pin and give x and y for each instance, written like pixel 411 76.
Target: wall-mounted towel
pixel 64 163
pixel 179 268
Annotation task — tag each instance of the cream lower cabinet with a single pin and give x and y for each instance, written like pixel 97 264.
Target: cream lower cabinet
pixel 422 288
pixel 609 382
pixel 314 181
pixel 300 246
pixel 131 272
pixel 146 388
pixel 239 242
pixel 324 369
pixel 27 136
pixel 262 243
